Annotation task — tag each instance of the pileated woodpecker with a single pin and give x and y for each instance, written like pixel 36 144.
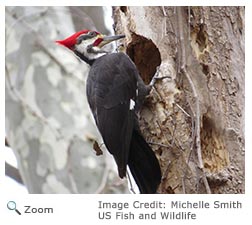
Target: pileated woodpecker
pixel 115 92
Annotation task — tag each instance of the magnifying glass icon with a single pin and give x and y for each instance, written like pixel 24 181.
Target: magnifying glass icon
pixel 11 205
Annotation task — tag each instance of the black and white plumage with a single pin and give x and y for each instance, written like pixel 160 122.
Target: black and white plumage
pixel 115 92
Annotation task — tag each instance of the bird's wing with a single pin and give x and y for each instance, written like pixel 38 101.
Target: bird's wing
pixel 111 91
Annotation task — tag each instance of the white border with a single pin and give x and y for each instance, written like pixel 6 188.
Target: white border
pixel 248 97
pixel 129 2
pixel 2 89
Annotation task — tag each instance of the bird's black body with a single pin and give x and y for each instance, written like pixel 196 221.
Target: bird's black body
pixel 113 86
pixel 115 92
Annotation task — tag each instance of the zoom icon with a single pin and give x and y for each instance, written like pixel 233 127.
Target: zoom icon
pixel 11 205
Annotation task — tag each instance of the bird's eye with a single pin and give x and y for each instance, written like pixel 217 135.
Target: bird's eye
pixel 92 33
pixel 80 39
pixel 87 36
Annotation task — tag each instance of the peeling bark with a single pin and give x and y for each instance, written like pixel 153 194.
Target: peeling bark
pixel 194 121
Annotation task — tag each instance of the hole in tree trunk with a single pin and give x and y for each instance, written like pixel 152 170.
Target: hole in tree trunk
pixel 123 9
pixel 215 155
pixel 145 55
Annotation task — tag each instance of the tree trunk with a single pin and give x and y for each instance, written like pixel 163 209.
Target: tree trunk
pixel 194 117
pixel 48 121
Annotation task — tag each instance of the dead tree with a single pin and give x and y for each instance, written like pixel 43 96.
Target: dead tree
pixel 194 119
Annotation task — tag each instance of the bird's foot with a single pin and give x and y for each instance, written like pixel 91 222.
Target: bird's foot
pixel 156 77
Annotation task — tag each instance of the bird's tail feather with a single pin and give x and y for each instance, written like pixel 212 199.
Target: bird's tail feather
pixel 143 165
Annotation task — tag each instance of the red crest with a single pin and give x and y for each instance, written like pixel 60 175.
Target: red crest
pixel 71 41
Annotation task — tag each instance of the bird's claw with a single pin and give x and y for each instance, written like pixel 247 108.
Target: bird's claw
pixel 156 77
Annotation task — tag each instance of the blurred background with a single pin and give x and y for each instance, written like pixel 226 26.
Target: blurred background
pixel 49 128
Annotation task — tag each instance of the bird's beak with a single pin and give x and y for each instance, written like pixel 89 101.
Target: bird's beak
pixel 108 39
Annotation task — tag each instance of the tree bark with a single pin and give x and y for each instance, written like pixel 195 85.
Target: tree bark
pixel 48 122
pixel 194 119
